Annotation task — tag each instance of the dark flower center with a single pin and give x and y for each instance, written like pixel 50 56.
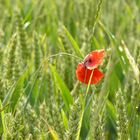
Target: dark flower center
pixel 89 60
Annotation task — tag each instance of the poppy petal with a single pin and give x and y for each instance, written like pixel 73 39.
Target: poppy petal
pixel 97 75
pixel 94 59
pixel 83 74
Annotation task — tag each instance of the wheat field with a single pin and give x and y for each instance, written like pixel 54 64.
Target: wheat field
pixel 41 44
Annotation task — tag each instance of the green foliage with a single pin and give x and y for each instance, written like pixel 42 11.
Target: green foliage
pixel 122 122
pixel 11 59
pixel 36 52
pixel 22 40
pixel 74 120
pixel 41 43
pixel 2 121
pixel 65 91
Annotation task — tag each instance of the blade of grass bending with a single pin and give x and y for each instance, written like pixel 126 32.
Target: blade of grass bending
pixel 64 89
pixel 73 42
pixel 63 53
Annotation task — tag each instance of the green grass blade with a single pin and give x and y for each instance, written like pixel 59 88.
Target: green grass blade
pixel 65 119
pixel 8 96
pixel 73 42
pixel 64 89
pixel 15 95
pixel 110 35
pixel 80 125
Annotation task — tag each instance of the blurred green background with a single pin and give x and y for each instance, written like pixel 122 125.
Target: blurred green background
pixel 41 43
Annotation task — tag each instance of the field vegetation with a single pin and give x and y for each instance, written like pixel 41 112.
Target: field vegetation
pixel 41 44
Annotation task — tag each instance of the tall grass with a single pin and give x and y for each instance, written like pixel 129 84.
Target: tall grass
pixel 41 43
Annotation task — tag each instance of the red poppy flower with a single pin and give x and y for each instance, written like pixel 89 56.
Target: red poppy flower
pixel 90 63
pixel 94 59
